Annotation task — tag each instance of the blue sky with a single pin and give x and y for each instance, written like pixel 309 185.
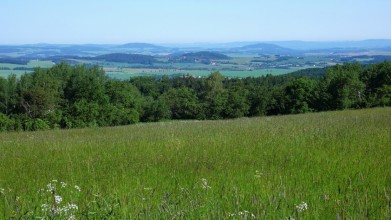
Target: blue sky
pixel 190 21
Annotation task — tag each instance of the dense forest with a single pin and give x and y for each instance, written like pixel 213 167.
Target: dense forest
pixel 66 96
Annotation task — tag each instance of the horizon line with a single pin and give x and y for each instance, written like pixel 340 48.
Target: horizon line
pixel 199 42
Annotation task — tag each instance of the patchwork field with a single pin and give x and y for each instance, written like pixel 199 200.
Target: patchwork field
pixel 119 72
pixel 310 166
pixel 7 69
pixel 127 73
pixel 233 67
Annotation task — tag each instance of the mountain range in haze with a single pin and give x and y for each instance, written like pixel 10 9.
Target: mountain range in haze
pixel 261 48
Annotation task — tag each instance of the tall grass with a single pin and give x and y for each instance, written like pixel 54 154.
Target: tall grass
pixel 311 166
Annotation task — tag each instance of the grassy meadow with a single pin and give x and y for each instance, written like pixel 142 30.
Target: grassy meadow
pixel 331 165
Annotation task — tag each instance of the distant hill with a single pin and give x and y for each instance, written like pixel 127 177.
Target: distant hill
pixel 140 46
pixel 126 58
pixel 317 45
pixel 199 51
pixel 203 55
pixel 265 48
pixel 8 49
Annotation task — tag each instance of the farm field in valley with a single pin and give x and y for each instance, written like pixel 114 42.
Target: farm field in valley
pixel 131 60
pixel 127 73
pixel 310 166
pixel 7 69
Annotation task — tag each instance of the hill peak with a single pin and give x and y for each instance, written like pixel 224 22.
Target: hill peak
pixel 140 46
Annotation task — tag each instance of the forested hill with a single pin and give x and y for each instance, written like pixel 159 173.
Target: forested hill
pixel 264 48
pixel 198 56
pixel 66 96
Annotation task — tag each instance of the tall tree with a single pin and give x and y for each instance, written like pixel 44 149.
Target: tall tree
pixel 183 103
pixel 87 83
pixel 300 96
pixel 237 101
pixel 39 93
pixel 155 109
pixel 377 81
pixel 3 95
pixel 214 96
pixel 125 103
pixel 343 87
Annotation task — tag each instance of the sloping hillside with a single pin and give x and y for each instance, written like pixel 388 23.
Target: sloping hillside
pixel 308 166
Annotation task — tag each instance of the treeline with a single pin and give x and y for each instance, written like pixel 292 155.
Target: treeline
pixel 203 56
pixel 18 61
pixel 66 96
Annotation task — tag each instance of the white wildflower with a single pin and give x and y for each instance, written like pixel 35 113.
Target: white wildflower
pixel 245 215
pixel 58 199
pixel 72 206
pixel 204 184
pixel 50 187
pixel 302 207
pixel 231 214
pixel 45 207
pixel 2 191
pixel 55 210
pixel 59 208
pixel 65 210
pixel 68 208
